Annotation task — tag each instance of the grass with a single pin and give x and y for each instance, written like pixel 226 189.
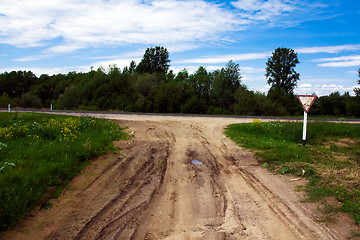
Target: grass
pixel 40 154
pixel 159 165
pixel 330 159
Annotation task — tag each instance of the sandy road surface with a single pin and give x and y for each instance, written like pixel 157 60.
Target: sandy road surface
pixel 153 191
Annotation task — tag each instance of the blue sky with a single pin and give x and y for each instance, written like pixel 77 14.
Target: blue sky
pixel 58 36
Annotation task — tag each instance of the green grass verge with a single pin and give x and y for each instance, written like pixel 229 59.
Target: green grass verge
pixel 41 153
pixel 330 160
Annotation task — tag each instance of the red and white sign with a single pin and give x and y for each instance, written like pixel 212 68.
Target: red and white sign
pixel 306 101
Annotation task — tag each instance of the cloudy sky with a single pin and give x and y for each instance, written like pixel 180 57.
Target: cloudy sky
pixel 58 36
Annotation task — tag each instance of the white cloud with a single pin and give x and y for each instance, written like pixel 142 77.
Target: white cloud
pixel 281 13
pixel 253 80
pixel 63 48
pixel 180 47
pixel 264 10
pixel 340 64
pixel 305 85
pixel 318 89
pixel 60 49
pixel 251 70
pixel 119 62
pixel 50 71
pixel 30 58
pixel 226 58
pixel 352 72
pixel 329 49
pixel 264 89
pixel 193 68
pixel 96 23
pixel 343 61
pixel 178 24
pixel 322 89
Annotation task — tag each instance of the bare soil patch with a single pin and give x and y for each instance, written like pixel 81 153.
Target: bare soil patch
pixel 152 190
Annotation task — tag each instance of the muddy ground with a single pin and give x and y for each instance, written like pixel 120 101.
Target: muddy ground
pixel 152 190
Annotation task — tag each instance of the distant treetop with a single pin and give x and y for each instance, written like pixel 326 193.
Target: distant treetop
pixel 155 60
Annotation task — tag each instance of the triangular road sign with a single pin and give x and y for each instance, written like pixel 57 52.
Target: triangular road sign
pixel 306 101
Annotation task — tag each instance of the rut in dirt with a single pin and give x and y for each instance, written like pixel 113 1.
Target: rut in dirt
pixel 166 196
pixel 153 190
pixel 137 177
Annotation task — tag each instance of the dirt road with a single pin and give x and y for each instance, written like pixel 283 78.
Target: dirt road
pixel 152 190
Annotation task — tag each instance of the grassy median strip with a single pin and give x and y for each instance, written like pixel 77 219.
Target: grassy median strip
pixel 41 153
pixel 330 160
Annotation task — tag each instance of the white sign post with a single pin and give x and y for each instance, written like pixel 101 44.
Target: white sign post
pixel 306 102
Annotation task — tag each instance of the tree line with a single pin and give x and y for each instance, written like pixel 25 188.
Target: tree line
pixel 150 87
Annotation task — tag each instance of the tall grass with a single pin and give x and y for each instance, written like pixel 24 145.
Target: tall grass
pixel 332 168
pixel 40 153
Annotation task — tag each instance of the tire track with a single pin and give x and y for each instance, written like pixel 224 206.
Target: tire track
pixel 126 207
pixel 153 191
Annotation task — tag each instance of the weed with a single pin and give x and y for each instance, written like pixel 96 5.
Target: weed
pixel 264 165
pixel 299 188
pixel 331 159
pixel 284 169
pixel 327 219
pixel 40 154
pixel 354 235
pixel 159 165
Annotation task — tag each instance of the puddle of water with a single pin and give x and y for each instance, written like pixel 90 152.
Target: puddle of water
pixel 196 162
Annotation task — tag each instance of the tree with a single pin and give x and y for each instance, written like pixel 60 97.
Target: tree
pixel 4 100
pixel 225 83
pixel 280 71
pixel 131 68
pixel 17 83
pixel 201 82
pixel 282 78
pixel 357 90
pixel 182 76
pixel 155 60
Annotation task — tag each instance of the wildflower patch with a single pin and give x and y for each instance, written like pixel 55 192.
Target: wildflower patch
pixel 40 153
pixel 47 129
